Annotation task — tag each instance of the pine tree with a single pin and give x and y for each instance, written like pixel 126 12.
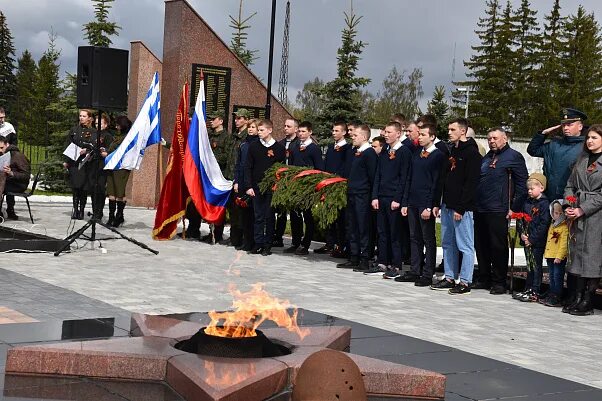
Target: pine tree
pixel 525 61
pixel 342 97
pixel 7 66
pixel 438 107
pixel 238 43
pixel 98 32
pixel 64 110
pixel 47 91
pixel 24 112
pixel 484 77
pixel 548 81
pixel 582 72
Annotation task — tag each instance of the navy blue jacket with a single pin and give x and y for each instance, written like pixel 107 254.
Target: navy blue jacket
pixel 362 172
pixel 294 143
pixel 539 210
pixel 393 174
pixel 310 156
pixel 259 160
pixel 492 192
pixel 424 190
pixel 559 155
pixel 241 159
pixel 336 159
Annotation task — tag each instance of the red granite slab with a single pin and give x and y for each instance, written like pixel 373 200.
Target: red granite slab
pixel 335 337
pixel 199 378
pixel 151 325
pixel 141 358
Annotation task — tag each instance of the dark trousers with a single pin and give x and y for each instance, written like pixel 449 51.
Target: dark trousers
pixel 12 186
pixel 491 245
pixel 297 217
pixel 263 227
pixel 422 236
pixel 248 220
pixel 194 220
pixel 359 221
pixel 388 224
pixel 404 242
pixel 335 235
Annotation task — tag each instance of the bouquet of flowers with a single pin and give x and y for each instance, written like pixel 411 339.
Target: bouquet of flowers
pixel 522 225
pixel 572 202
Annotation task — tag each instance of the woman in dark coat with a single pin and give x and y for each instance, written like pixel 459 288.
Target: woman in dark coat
pixel 79 135
pixel 585 222
pixel 118 179
pixel 96 175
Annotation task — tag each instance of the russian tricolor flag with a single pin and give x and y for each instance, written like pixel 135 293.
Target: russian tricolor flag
pixel 208 188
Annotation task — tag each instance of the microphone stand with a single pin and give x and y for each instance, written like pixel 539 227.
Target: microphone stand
pixel 93 219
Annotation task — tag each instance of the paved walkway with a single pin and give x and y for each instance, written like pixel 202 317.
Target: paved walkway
pixel 191 276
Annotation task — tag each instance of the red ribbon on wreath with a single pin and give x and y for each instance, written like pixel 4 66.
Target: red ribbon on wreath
pixel 329 181
pixel 305 173
pixel 280 171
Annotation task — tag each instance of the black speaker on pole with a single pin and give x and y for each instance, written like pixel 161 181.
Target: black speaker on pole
pixel 102 78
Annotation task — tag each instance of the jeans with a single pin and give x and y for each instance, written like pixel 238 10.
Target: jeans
pixel 457 236
pixel 556 271
pixel 534 276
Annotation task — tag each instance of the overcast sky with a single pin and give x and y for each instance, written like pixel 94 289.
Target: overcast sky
pixel 401 33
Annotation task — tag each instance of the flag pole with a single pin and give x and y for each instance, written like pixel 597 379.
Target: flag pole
pixel 161 171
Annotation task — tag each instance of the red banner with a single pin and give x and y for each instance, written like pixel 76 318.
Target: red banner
pixel 174 193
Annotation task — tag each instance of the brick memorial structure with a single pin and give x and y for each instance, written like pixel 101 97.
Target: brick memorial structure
pixel 189 43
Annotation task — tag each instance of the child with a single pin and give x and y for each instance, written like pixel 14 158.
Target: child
pixel 556 253
pixel 533 238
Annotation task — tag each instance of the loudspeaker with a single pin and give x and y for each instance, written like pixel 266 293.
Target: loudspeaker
pixel 102 75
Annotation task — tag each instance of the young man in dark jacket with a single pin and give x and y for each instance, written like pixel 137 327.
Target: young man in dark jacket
pixel 390 188
pixel 460 179
pixel 14 177
pixel 335 162
pixel 262 155
pixel 307 154
pixel 502 187
pixel 359 191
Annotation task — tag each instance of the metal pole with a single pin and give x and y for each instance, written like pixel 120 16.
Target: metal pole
pixel 467 100
pixel 268 102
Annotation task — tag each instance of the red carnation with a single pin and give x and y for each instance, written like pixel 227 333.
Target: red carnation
pixel 572 200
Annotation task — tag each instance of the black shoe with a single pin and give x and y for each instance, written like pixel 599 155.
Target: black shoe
pixel 482 285
pixel 324 249
pixel 378 269
pixel 585 307
pixel 277 244
pixel 291 249
pixel 363 266
pixel 460 289
pixel 339 253
pixel 576 300
pixel 207 238
pixel 190 236
pixel 408 277
pixel 392 274
pixel 350 264
pixel 256 251
pixel 443 285
pixel 302 251
pixel 423 282
pixel 497 290
pixel 266 251
pixel 225 242
pixel 11 215
pixel 440 268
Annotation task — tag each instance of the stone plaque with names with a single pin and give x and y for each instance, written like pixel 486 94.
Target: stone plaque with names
pixel 217 88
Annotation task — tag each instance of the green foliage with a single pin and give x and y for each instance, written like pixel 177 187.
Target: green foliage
pixel 99 31
pixel 341 97
pixel 309 101
pixel 24 111
pixel 291 192
pixel 399 94
pixel 582 71
pixel 238 44
pixel 7 66
pixel 64 110
pixel 438 107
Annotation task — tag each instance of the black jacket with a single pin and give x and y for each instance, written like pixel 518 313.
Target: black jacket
pixel 539 210
pixel 461 176
pixel 309 156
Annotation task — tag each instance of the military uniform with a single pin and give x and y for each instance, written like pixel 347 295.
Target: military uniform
pixel 116 183
pixel 222 144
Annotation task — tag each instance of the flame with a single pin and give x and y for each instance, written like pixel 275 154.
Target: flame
pixel 227 374
pixel 251 309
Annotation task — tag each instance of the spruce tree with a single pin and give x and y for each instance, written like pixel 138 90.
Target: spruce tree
pixel 438 107
pixel 482 74
pixel 342 97
pixel 26 120
pixel 99 31
pixel 7 66
pixel 238 43
pixel 582 72
pixel 548 80
pixel 525 61
pixel 47 91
